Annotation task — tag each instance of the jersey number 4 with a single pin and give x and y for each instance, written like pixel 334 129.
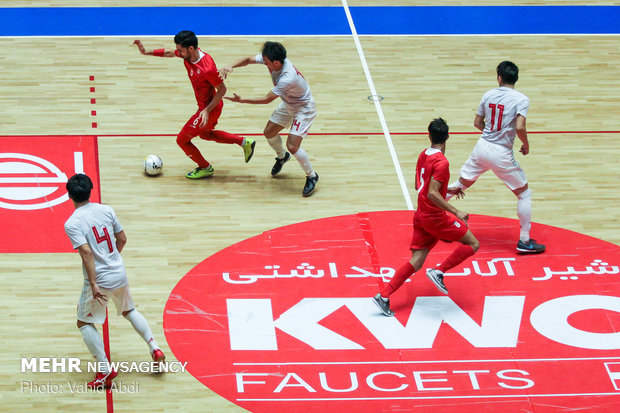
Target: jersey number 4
pixel 105 238
pixel 500 113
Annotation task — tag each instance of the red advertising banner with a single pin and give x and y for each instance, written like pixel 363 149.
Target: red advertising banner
pixel 34 204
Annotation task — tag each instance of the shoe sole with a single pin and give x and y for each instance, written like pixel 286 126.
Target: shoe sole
pixel 200 177
pixel 381 308
pixel 520 251
pixel 251 153
pixel 444 290
pixel 106 384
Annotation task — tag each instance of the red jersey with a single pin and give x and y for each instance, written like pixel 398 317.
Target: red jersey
pixel 431 164
pixel 204 77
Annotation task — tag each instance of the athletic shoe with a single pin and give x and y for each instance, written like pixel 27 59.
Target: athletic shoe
pixel 248 149
pixel 200 173
pixel 158 356
pixel 277 167
pixel 436 277
pixel 102 380
pixel 530 247
pixel 310 184
pixel 384 305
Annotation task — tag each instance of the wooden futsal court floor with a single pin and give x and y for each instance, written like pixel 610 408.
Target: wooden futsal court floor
pixel 173 223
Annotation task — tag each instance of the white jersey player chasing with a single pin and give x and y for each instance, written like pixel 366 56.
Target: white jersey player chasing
pixel 297 108
pixel 90 229
pixel 501 116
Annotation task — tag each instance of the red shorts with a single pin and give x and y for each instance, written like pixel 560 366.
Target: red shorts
pixel 428 230
pixel 192 129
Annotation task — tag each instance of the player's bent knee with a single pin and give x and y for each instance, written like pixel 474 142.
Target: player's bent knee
pixel 292 148
pixel 471 240
pixel 476 245
pixel 81 324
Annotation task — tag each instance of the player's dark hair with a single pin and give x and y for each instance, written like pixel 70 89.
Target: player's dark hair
pixel 79 187
pixel 186 38
pixel 508 71
pixel 274 51
pixel 438 130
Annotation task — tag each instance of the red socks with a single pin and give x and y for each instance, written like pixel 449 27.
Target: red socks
pixel 458 256
pixel 220 136
pixel 398 279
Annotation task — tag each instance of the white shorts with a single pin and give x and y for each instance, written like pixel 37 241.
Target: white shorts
pixel 94 312
pixel 500 160
pixel 299 119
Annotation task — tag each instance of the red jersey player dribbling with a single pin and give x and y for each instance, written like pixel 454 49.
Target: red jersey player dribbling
pixel 431 221
pixel 209 90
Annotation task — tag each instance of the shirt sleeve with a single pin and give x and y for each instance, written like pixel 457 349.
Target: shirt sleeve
pixel 213 76
pixel 77 238
pixel 441 172
pixel 116 225
pixel 284 84
pixel 523 106
pixel 176 53
pixel 480 111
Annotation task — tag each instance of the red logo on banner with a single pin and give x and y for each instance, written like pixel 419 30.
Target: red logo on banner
pixel 33 200
pixel 284 321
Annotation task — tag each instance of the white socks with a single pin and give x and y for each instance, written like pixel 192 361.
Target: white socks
pixel 276 144
pixel 524 211
pixel 94 343
pixel 141 326
pixel 304 162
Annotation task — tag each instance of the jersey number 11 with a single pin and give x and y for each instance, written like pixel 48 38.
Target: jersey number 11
pixel 500 110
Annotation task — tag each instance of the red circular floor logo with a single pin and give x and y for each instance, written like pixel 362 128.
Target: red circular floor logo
pixel 284 321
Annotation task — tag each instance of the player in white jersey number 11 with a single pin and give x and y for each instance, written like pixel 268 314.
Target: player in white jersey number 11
pixel 501 116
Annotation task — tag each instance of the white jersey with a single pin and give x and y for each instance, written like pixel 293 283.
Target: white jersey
pixel 95 224
pixel 500 108
pixel 289 84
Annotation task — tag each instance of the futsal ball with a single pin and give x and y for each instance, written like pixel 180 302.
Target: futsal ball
pixel 153 165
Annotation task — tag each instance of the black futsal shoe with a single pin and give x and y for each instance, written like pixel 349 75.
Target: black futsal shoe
pixel 310 184
pixel 277 167
pixel 530 247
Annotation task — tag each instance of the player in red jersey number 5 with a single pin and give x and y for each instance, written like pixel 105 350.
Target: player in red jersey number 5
pixel 431 221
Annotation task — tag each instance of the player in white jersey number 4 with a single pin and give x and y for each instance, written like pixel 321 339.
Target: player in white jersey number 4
pixel 98 237
pixel 501 116
pixel 296 110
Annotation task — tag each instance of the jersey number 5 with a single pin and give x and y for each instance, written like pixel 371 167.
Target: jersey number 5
pixel 500 114
pixel 421 180
pixel 105 237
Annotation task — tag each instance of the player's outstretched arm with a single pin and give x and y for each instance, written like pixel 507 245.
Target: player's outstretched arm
pixel 269 97
pixel 244 61
pixel 156 52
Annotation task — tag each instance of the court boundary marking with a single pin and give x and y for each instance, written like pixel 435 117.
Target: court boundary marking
pixel 315 35
pixel 490 396
pixel 147 135
pixel 293 363
pixel 378 108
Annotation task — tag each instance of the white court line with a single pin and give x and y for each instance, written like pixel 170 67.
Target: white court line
pixel 423 361
pixel 489 396
pixel 262 36
pixel 373 92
